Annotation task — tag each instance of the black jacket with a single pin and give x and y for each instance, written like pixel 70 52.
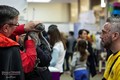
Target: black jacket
pixel 10 60
pixel 91 60
pixel 41 71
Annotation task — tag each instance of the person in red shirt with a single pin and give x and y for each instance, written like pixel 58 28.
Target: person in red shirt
pixel 28 56
pixel 13 62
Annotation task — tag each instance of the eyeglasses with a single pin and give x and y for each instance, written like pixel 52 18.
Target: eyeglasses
pixel 17 24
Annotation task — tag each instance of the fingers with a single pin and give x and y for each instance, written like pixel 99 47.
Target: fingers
pixel 29 38
pixel 31 25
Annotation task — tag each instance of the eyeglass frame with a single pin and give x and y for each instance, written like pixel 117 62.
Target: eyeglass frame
pixel 17 24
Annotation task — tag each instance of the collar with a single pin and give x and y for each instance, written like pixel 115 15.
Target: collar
pixel 7 42
pixel 115 53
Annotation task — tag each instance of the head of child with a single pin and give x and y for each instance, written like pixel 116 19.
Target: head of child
pixel 81 47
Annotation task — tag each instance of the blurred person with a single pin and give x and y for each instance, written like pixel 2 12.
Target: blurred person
pixel 82 34
pixel 90 38
pixel 40 71
pixel 70 44
pixel 58 47
pixel 12 60
pixel 98 48
pixel 79 61
pixel 98 42
pixel 110 37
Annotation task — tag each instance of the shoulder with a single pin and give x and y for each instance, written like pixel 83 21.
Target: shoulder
pixel 58 44
pixel 10 51
pixel 109 58
pixel 118 62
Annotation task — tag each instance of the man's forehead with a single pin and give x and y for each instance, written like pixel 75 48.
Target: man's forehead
pixel 106 26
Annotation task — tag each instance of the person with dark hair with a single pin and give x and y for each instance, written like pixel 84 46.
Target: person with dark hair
pixel 70 44
pixel 52 26
pixel 40 71
pixel 58 48
pixel 110 37
pixel 82 34
pixel 79 60
pixel 13 62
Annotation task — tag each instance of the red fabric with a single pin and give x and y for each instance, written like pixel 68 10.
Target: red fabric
pixel 18 31
pixel 29 56
pixel 6 42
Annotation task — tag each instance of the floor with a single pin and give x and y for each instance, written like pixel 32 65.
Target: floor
pixel 66 76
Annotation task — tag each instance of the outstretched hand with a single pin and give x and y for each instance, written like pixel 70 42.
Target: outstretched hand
pixel 31 25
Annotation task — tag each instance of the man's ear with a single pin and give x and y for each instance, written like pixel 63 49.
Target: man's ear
pixel 115 35
pixel 5 28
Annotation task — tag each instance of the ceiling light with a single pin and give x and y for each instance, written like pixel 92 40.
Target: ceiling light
pixel 39 1
pixel 103 4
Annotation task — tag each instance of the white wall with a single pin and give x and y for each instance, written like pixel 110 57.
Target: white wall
pixel 64 27
pixel 52 12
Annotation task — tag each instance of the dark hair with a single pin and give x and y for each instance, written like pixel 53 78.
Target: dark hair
pixel 52 26
pixel 7 13
pixel 81 31
pixel 108 19
pixel 81 47
pixel 55 35
pixel 71 33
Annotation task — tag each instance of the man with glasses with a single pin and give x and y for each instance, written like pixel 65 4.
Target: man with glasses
pixel 110 37
pixel 12 60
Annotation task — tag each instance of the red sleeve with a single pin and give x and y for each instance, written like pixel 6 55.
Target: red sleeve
pixel 18 31
pixel 29 56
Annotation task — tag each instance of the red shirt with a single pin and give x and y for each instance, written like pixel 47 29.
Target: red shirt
pixel 29 56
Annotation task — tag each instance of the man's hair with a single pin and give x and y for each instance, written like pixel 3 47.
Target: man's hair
pixel 7 13
pixel 115 23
